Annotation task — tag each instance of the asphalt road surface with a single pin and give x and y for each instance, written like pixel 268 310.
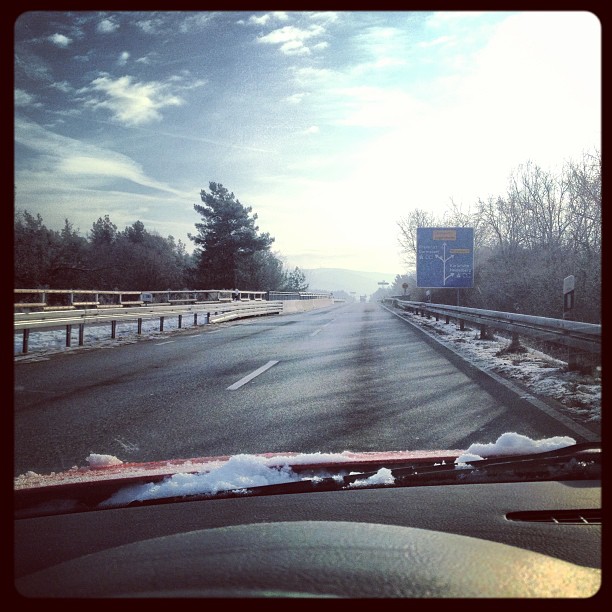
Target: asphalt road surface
pixel 348 377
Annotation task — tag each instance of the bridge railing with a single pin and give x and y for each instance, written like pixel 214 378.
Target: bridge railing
pixel 297 295
pixel 81 313
pixel 33 300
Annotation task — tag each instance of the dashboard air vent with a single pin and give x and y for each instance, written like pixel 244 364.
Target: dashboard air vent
pixel 561 517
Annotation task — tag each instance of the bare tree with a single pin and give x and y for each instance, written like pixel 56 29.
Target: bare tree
pixel 544 228
pixel 541 198
pixel 408 232
pixel 505 224
pixel 583 181
pixel 583 184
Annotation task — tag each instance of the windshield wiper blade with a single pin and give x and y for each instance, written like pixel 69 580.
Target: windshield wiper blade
pixel 578 461
pixel 581 450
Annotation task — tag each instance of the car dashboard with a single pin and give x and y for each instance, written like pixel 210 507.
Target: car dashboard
pixel 512 539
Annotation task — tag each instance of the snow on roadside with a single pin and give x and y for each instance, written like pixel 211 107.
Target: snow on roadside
pixel 543 375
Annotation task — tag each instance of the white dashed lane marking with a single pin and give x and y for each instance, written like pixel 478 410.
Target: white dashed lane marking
pixel 251 376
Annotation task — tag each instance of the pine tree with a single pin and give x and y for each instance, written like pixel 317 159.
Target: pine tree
pixel 227 238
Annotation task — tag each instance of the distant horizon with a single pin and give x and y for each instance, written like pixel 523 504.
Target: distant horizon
pixel 345 279
pixel 360 271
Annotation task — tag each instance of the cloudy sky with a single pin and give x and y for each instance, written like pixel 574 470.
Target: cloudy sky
pixel 332 126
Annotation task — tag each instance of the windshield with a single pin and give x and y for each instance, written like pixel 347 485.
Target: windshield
pixel 240 236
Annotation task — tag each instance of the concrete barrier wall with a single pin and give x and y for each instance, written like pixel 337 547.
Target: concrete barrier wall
pixel 290 306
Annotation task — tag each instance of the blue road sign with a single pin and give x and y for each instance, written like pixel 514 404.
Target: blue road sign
pixel 445 257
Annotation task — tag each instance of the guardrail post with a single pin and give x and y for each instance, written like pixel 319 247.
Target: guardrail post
pixel 26 336
pixel 180 321
pixel 81 333
pixel 582 362
pixel 515 344
pixel 447 319
pixel 161 324
pixel 113 329
pixel 483 332
pixel 139 326
pixel 68 334
pixel 195 319
pixel 461 325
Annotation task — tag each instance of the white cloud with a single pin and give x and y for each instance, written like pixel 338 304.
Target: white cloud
pixel 107 26
pixel 294 47
pixel 63 86
pixel 23 98
pixel 264 19
pixel 69 178
pixel 196 21
pixel 117 167
pixel 280 15
pixel 327 16
pixel 123 58
pixel 60 40
pixel 129 102
pixel 291 39
pixel 149 26
pixel 290 33
pixel 259 19
pixel 68 161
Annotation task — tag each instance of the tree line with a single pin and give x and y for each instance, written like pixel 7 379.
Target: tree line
pixel 230 252
pixel 547 226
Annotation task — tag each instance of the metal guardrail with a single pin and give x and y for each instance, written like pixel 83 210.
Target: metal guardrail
pixel 40 309
pixel 574 335
pixel 297 295
pixel 62 299
pixel 214 312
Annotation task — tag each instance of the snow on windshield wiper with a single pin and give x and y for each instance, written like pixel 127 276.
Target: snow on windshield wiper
pixel 246 475
pixel 579 461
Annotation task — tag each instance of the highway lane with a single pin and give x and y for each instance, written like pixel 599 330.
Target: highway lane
pixel 348 377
